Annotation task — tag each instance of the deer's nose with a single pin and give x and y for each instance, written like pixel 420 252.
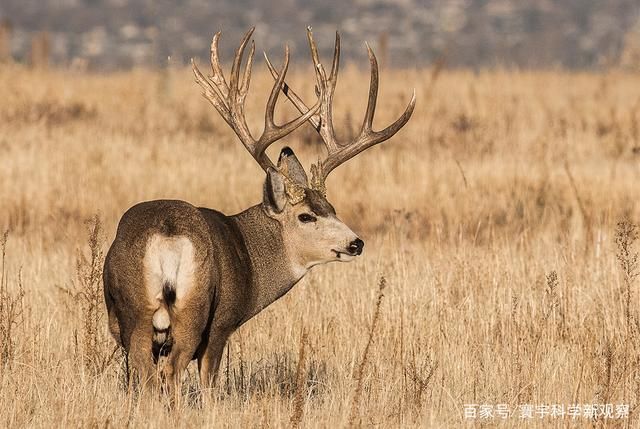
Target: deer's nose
pixel 356 246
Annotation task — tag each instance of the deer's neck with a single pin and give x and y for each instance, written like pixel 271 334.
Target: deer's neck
pixel 271 273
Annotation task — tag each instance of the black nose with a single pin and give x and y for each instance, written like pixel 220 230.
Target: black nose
pixel 355 248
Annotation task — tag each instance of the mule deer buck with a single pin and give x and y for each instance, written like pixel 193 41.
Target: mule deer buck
pixel 179 279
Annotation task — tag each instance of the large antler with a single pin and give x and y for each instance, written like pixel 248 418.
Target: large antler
pixel 228 99
pixel 337 152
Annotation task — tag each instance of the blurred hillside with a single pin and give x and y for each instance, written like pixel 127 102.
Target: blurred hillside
pixel 121 33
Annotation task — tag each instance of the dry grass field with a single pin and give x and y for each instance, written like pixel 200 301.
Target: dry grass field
pixel 493 217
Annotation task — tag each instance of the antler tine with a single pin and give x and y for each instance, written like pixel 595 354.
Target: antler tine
pixel 229 99
pixel 216 71
pixel 246 77
pixel 367 122
pixel 212 93
pixel 237 62
pixel 325 126
pixel 275 91
pixel 338 153
pixel 336 62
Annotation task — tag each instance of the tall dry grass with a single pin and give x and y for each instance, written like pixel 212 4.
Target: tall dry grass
pixel 492 216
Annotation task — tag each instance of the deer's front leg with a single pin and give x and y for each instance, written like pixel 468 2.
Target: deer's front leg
pixel 209 361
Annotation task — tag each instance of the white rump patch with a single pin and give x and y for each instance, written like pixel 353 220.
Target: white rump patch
pixel 168 260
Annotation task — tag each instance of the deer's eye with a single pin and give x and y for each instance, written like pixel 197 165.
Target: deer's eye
pixel 306 218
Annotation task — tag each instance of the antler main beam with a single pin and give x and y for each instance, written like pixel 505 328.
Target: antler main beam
pixel 228 99
pixel 338 152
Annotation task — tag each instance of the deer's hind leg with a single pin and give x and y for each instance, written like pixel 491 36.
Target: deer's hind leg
pixel 186 331
pixel 188 323
pixel 130 325
pixel 141 355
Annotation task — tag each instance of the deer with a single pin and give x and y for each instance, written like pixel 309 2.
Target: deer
pixel 179 279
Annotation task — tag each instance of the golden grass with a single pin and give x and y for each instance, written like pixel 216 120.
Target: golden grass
pixel 492 216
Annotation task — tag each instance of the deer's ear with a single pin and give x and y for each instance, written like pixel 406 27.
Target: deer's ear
pixel 288 161
pixel 275 196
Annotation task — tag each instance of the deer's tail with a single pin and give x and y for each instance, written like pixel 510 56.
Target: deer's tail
pixel 162 320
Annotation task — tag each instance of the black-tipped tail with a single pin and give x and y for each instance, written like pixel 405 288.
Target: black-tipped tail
pixel 162 338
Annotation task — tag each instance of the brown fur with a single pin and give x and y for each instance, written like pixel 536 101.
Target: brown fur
pixel 242 264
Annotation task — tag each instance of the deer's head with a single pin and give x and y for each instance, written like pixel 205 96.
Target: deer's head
pixel 312 232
